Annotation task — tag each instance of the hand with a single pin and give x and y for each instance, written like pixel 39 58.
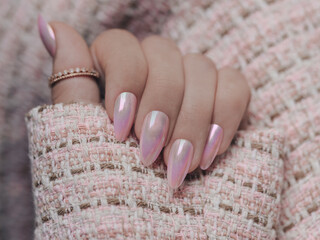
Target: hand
pixel 181 103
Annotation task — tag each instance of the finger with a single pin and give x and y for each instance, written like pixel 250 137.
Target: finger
pixel 184 152
pixel 118 55
pixel 68 50
pixel 232 99
pixel 162 97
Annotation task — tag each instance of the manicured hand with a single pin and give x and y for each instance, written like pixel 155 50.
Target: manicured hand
pixel 179 103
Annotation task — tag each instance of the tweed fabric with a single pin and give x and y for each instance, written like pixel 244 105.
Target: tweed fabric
pixel 89 186
pixel 275 43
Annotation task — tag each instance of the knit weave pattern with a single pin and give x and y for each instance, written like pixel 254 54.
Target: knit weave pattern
pixel 275 43
pixel 89 186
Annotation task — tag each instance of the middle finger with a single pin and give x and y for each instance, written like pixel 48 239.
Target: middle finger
pixel 162 96
pixel 184 152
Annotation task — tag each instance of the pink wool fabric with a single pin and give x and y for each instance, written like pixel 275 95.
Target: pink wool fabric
pixel 89 186
pixel 266 186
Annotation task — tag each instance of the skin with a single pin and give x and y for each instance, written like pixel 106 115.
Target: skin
pixel 197 108
pixel 72 51
pixel 189 89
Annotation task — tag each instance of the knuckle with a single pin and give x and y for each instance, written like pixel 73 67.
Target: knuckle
pixel 113 35
pixel 233 75
pixel 109 47
pixel 198 58
pixel 192 57
pixel 153 41
pixel 116 33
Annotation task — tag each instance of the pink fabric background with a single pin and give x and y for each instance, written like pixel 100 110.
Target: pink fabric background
pixel 274 42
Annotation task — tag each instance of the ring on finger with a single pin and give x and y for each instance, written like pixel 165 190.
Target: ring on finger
pixel 54 78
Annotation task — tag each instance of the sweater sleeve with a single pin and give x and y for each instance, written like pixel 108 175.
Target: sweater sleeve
pixel 87 185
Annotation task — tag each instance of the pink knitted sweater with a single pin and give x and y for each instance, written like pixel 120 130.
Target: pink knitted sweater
pixel 266 186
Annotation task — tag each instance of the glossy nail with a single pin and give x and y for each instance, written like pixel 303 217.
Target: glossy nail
pixel 47 35
pixel 153 136
pixel 212 146
pixel 123 115
pixel 180 157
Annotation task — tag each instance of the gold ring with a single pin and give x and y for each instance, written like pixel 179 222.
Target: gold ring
pixel 72 72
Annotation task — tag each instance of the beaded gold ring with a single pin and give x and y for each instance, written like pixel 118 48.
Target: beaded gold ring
pixel 72 72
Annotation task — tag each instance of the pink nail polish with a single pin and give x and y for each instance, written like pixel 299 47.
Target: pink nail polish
pixel 124 111
pixel 153 136
pixel 180 157
pixel 47 35
pixel 212 146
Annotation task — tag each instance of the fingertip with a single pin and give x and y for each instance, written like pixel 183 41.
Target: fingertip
pixel 123 115
pixel 180 157
pixel 212 146
pixel 47 35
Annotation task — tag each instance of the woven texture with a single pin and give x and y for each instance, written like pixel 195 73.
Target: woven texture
pixel 89 186
pixel 275 43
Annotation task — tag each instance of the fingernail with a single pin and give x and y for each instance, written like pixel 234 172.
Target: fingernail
pixel 47 35
pixel 212 146
pixel 153 136
pixel 180 157
pixel 124 111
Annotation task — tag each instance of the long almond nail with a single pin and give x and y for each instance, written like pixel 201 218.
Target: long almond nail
pixel 47 35
pixel 124 111
pixel 153 136
pixel 212 146
pixel 180 157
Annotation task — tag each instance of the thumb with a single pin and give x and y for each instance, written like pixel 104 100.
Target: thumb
pixel 69 51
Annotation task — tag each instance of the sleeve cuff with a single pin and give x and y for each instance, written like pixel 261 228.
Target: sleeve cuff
pixel 88 185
